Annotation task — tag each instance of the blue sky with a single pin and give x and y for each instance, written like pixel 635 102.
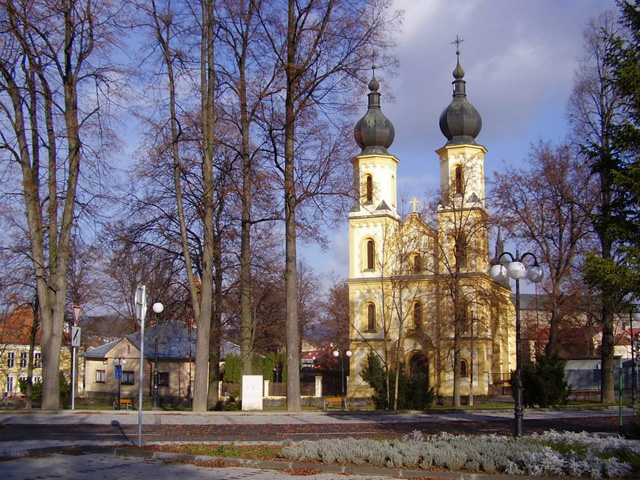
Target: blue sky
pixel 519 57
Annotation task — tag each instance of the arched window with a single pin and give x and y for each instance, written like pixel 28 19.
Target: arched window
pixel 371 255
pixel 417 316
pixel 417 263
pixel 457 186
pixel 419 368
pixel 371 317
pixel 368 194
pixel 464 369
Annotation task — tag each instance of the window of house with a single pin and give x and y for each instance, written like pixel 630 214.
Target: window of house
pixel 37 360
pixel 101 376
pixel 163 379
pixel 371 255
pixel 23 359
pixel 368 195
pixel 37 379
pixel 464 370
pixel 417 316
pixel 128 378
pixel 10 383
pixel 371 317
pixel 11 359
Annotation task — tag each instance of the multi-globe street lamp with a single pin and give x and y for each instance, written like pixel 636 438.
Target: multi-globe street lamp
pixel 341 354
pixel 516 269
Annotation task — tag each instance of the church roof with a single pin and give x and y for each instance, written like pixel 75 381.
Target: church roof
pixel 374 132
pixel 460 122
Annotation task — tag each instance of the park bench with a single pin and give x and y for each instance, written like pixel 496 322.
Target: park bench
pixel 124 402
pixel 334 402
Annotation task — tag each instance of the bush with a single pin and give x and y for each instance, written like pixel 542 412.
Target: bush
pixel 260 365
pixel 543 383
pixel 413 394
pixel 36 389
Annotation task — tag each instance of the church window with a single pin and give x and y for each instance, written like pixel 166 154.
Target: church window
pixel 371 255
pixel 461 250
pixel 371 317
pixel 464 369
pixel 457 185
pixel 368 190
pixel 417 316
pixel 417 263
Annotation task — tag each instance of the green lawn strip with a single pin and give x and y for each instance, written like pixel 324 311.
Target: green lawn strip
pixel 230 450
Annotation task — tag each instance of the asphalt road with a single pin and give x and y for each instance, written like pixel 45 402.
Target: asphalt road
pixel 278 426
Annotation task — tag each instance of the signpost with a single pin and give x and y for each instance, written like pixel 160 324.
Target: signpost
pixel 75 342
pixel 141 312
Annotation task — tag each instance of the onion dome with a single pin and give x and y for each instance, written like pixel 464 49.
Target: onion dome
pixel 460 122
pixel 374 132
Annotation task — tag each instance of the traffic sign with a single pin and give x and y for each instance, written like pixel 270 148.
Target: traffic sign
pixel 118 372
pixel 76 314
pixel 75 336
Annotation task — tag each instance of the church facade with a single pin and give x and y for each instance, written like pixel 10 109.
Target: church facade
pixel 420 291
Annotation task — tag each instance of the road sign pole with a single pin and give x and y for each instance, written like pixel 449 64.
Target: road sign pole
pixel 74 341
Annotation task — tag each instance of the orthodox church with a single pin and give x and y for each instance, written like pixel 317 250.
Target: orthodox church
pixel 420 292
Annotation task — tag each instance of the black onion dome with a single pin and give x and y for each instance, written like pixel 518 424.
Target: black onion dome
pixel 460 122
pixel 374 132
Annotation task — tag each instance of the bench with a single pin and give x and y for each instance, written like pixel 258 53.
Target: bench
pixel 336 402
pixel 124 402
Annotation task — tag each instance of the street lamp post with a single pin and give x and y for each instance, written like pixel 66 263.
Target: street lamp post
pixel 634 314
pixel 157 309
pixel 118 362
pixel 337 353
pixel 516 269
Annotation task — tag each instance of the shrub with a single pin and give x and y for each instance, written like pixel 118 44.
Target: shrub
pixel 413 394
pixel 36 389
pixel 543 383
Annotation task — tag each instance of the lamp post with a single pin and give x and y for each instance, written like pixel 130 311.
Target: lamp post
pixel 516 269
pixel 634 314
pixel 157 309
pixel 337 353
pixel 118 362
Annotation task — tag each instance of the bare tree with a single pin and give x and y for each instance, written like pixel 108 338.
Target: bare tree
pixel 546 205
pixel 47 53
pixel 319 66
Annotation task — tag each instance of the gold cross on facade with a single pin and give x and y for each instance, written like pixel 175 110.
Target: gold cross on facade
pixel 414 202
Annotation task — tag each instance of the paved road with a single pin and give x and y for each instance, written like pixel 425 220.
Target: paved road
pixel 277 426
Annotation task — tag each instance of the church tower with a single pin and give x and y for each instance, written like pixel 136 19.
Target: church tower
pixel 462 213
pixel 374 213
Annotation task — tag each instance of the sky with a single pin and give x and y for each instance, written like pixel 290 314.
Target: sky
pixel 520 58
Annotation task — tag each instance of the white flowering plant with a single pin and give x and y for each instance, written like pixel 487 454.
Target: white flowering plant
pixel 551 453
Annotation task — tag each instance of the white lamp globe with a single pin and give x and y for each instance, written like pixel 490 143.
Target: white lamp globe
pixel 499 273
pixel 516 270
pixel 636 316
pixel 535 273
pixel 158 307
pixel 336 353
pixel 348 353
